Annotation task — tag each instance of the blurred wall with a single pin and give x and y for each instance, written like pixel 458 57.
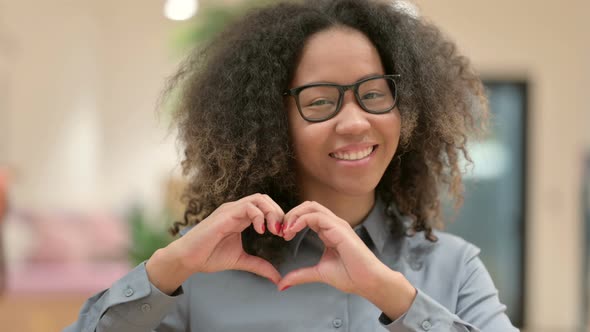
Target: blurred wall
pixel 80 79
pixel 546 43
pixel 80 123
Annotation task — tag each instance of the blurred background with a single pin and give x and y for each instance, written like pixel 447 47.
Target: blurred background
pixel 89 174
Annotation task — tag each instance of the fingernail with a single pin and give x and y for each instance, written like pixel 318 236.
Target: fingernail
pixel 263 228
pixel 285 288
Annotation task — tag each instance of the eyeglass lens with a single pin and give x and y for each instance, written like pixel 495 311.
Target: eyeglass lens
pixel 320 102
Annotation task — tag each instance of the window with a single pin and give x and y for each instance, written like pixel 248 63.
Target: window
pixel 493 214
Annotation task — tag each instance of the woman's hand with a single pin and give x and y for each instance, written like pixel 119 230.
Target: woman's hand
pixel 347 263
pixel 215 244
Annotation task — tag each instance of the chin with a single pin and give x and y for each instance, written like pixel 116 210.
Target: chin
pixel 356 188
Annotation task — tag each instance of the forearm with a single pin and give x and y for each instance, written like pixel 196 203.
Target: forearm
pixel 166 271
pixel 131 304
pixel 391 292
pixel 410 309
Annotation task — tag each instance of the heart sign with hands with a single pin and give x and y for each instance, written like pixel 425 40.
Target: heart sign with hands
pixel 346 264
pixel 215 244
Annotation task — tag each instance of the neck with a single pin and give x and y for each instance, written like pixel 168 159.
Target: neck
pixel 352 208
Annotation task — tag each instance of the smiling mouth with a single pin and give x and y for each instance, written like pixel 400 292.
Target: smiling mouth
pixel 353 156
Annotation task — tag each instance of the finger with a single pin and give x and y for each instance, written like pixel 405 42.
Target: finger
pixel 274 220
pixel 294 214
pixel 295 227
pixel 278 208
pixel 271 215
pixel 309 206
pixel 256 216
pixel 315 220
pixel 305 208
pixel 258 266
pixel 300 276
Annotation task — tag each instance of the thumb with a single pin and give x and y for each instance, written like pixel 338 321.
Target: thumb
pixel 300 276
pixel 258 266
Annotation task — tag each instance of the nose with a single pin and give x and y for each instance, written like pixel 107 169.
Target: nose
pixel 352 119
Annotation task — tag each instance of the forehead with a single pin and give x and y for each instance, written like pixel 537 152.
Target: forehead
pixel 338 55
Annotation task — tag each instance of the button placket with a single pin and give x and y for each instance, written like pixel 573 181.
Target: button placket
pixel 337 323
pixel 128 292
pixel 416 265
pixel 426 325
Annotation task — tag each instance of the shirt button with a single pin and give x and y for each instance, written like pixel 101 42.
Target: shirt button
pixel 337 322
pixel 128 292
pixel 146 307
pixel 426 325
pixel 416 265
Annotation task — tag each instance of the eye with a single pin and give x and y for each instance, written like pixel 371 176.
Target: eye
pixel 321 102
pixel 372 95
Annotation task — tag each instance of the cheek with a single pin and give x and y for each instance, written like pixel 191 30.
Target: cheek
pixel 392 129
pixel 396 123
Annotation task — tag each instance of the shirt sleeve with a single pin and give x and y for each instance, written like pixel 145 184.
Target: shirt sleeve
pixel 478 307
pixel 132 304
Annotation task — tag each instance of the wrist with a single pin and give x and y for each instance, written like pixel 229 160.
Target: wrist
pixel 165 270
pixel 394 294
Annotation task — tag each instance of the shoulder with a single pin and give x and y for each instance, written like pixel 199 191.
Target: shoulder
pixel 447 261
pixel 448 270
pixel 455 244
pixel 448 250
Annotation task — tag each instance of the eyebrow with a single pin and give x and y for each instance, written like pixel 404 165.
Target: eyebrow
pixel 359 79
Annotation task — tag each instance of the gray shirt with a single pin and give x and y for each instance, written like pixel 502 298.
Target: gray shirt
pixel 455 293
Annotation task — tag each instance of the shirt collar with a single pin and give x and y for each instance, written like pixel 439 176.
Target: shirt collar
pixel 374 223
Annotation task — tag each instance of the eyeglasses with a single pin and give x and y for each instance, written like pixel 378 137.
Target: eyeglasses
pixel 319 102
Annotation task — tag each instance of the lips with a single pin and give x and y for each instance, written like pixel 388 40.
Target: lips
pixel 352 154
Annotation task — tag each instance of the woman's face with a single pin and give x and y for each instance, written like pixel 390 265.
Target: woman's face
pixel 342 56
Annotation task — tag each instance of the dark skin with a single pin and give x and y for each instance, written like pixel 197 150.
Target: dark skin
pixel 235 128
pixel 347 264
pixel 258 174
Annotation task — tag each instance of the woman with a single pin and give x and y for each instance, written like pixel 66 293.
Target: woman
pixel 316 137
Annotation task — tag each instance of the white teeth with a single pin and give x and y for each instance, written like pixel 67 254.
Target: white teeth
pixel 353 155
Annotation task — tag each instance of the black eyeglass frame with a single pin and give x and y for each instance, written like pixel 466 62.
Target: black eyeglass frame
pixel 342 89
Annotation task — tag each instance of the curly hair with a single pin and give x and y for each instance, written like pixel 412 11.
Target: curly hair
pixel 233 126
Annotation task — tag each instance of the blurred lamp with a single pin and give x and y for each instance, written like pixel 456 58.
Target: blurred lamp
pixel 180 10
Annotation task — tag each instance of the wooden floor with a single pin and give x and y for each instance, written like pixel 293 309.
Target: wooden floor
pixel 39 313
